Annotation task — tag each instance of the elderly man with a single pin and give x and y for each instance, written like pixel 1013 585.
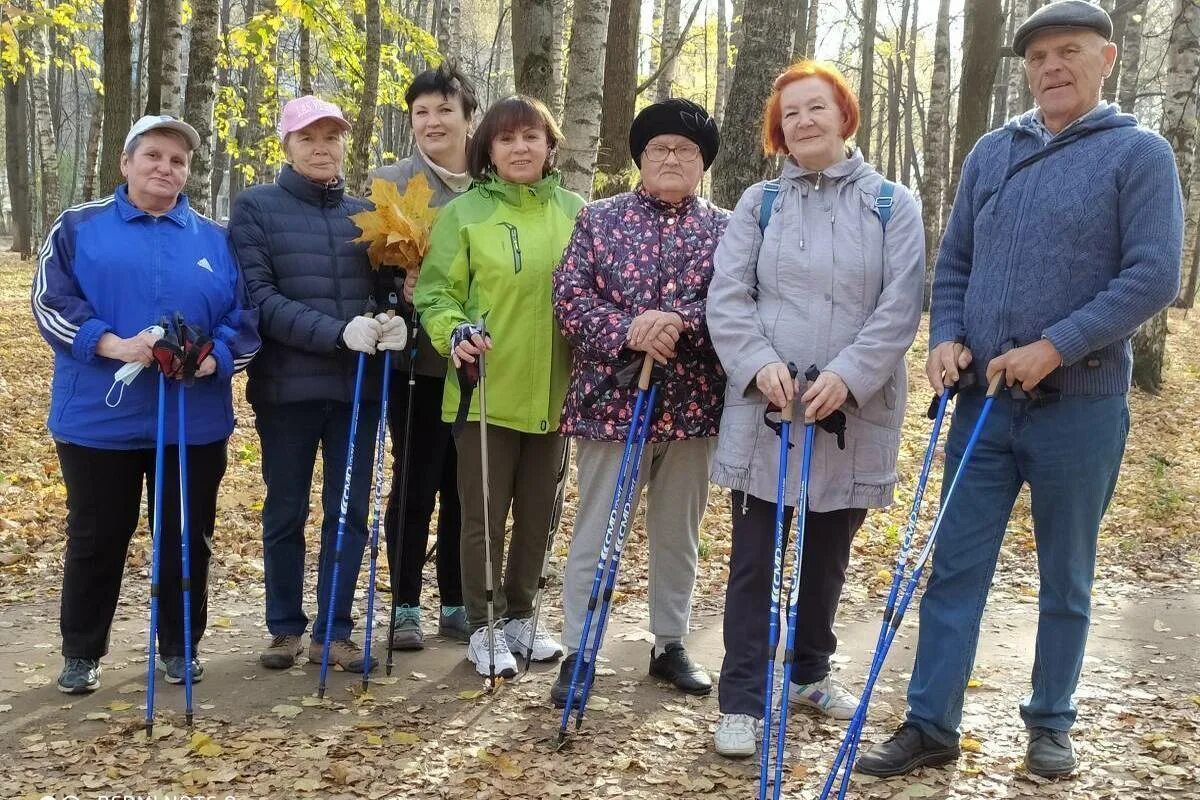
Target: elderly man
pixel 1065 236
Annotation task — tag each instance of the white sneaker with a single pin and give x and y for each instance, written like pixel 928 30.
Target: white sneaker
pixel 545 648
pixel 825 696
pixel 477 653
pixel 737 735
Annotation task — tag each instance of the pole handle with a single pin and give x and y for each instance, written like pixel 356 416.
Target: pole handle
pixel 785 413
pixel 647 367
pixel 994 386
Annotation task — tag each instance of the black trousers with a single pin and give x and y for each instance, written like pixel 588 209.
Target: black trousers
pixel 432 473
pixel 827 539
pixel 104 495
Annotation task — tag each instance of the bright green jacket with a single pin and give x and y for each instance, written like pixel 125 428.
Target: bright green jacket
pixel 491 254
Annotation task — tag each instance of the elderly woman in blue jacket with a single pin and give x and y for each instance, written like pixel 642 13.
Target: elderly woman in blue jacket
pixel 311 283
pixel 108 270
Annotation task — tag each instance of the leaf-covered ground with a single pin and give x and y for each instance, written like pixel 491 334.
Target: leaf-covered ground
pixel 428 731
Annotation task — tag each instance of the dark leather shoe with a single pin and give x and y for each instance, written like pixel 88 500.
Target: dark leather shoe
pixel 907 750
pixel 562 686
pixel 675 665
pixel 1050 753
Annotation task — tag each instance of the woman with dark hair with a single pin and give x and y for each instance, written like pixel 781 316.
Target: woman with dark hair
pixel 441 104
pixel 485 285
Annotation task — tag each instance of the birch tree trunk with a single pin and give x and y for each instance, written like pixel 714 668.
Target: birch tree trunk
pixel 199 97
pixel 532 41
pixel 1019 99
pixel 172 59
pixel 364 124
pixel 1120 19
pixel 670 37
pixel 585 95
pixel 800 41
pixel 557 40
pixel 1131 58
pixel 934 178
pixel 44 126
pixel 722 63
pixel 95 128
pixel 866 85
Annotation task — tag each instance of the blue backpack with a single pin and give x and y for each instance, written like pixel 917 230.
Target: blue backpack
pixel 883 203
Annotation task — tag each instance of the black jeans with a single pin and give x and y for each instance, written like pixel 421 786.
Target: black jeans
pixel 827 538
pixel 432 473
pixel 104 495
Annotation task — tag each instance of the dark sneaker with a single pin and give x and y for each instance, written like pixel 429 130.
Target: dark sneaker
pixel 344 653
pixel 173 668
pixel 676 666
pixel 79 675
pixel 907 750
pixel 562 686
pixel 1050 753
pixel 281 653
pixel 407 634
pixel 452 623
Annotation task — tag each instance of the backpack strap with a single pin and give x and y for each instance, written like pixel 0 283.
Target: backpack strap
pixel 770 191
pixel 883 203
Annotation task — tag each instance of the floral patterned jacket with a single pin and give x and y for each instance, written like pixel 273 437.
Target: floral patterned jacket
pixel 629 254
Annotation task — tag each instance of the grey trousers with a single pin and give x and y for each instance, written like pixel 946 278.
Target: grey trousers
pixel 675 477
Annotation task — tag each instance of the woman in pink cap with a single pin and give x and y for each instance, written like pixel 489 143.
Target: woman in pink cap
pixel 293 239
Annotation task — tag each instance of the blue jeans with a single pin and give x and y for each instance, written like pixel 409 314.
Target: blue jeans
pixel 1069 452
pixel 291 434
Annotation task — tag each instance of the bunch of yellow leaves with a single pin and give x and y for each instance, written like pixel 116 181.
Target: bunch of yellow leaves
pixel 397 230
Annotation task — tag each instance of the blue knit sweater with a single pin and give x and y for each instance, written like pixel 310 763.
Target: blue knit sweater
pixel 1078 240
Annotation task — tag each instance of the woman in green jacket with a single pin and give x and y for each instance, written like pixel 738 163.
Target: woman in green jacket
pixel 485 286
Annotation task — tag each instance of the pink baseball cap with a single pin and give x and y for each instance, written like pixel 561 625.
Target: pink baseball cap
pixel 304 111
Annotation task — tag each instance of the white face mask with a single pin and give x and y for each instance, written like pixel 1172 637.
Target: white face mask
pixel 127 374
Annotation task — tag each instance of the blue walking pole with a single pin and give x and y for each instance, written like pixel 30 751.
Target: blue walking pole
pixel 849 744
pixel 380 437
pixel 341 527
pixel 606 546
pixel 185 555
pixel 919 565
pixel 793 603
pixel 784 429
pixel 156 546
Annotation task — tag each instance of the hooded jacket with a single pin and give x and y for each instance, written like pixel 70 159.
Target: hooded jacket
pixel 491 254
pixel 821 286
pixel 1077 240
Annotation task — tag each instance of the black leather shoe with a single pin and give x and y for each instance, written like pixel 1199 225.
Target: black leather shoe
pixel 1050 753
pixel 907 750
pixel 558 692
pixel 675 665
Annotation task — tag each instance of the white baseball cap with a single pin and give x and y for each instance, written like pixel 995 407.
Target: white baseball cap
pixel 153 122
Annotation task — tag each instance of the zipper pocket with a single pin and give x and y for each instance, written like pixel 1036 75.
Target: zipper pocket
pixel 516 244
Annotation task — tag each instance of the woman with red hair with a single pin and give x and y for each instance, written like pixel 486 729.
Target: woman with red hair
pixel 806 275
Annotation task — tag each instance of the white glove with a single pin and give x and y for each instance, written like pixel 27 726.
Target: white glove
pixel 393 332
pixel 361 334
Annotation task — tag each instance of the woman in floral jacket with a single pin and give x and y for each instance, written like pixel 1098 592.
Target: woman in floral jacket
pixel 634 281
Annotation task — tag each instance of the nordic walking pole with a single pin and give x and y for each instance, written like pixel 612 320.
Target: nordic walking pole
pixel 555 518
pixel 487 511
pixel 185 554
pixel 380 441
pixel 784 430
pixel 849 747
pixel 622 533
pixel 810 429
pixel 923 557
pixel 394 559
pixel 341 526
pixel 156 546
pixel 602 562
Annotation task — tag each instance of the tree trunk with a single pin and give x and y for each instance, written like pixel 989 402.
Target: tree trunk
pixel 1019 98
pixel 305 68
pixel 620 95
pixel 670 37
pixel 93 148
pixel 895 82
pixel 722 63
pixel 118 92
pixel 656 32
pixel 16 153
pixel 198 100
pixel 155 27
pixel 532 41
pixel 558 40
pixel 866 84
pixel 935 138
pixel 360 151
pixel 766 47
pixel 172 60
pixel 1149 353
pixel 1180 116
pixel 585 95
pixel 981 50
pixel 1191 247
pixel 800 28
pixel 220 155
pixel 1120 21
pixel 910 100
pixel 814 15
pixel 1131 57
pixel 44 126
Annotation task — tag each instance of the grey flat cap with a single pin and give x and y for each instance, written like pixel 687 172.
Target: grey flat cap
pixel 1063 14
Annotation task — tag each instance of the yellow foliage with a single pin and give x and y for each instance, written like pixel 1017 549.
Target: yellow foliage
pixel 397 229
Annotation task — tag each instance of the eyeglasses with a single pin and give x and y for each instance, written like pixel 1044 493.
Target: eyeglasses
pixel 685 153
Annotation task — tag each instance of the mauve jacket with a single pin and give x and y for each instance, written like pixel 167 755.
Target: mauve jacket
pixel 821 287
